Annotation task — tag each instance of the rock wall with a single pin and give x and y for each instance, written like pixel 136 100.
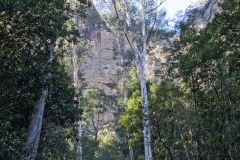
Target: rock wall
pixel 100 66
pixel 207 12
pixel 156 60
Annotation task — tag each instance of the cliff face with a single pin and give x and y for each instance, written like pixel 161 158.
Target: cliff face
pixel 156 62
pixel 207 12
pixel 99 68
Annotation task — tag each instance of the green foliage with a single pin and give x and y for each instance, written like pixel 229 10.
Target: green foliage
pixel 109 148
pixel 99 140
pixel 93 103
pixel 194 113
pixel 90 147
pixel 206 63
pixel 166 110
pixel 56 142
pixel 27 28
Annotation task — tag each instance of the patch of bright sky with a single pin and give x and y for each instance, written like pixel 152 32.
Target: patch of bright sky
pixel 173 6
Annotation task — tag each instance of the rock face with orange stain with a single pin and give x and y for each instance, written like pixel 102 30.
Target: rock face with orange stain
pixel 102 64
pixel 99 68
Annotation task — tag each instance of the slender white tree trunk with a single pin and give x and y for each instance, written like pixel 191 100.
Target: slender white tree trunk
pixel 77 92
pixel 141 72
pixel 146 126
pixel 79 146
pixel 131 153
pixel 131 157
pixel 35 125
pixel 140 61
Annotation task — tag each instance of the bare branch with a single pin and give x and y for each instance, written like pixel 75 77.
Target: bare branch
pixel 133 45
pixel 125 34
pixel 149 34
pixel 151 10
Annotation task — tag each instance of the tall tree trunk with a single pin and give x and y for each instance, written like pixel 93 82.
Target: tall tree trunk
pixel 141 71
pixel 146 126
pixel 225 93
pixel 131 153
pixel 198 130
pixel 77 97
pixel 185 148
pixel 35 125
pixel 34 129
pixel 131 156
pixel 79 144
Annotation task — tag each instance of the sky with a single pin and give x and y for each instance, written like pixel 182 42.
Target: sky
pixel 172 6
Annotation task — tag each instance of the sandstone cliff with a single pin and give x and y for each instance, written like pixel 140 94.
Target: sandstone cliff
pixel 207 11
pixel 100 68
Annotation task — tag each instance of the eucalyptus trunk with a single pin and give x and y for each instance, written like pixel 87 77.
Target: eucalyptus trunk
pixel 79 144
pixel 35 125
pixel 141 62
pixel 146 126
pixel 141 73
pixel 77 98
